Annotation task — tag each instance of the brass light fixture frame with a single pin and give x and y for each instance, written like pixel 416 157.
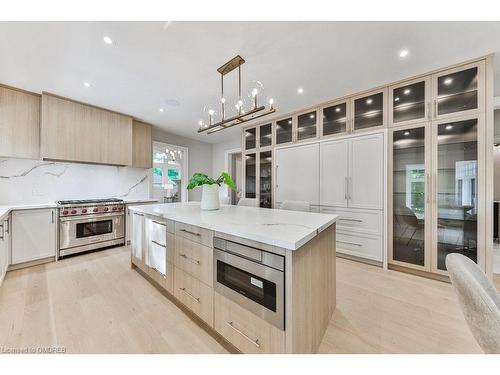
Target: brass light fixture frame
pixel 228 67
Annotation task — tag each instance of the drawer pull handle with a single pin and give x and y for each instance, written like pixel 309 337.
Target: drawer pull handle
pixel 350 243
pixel 189 232
pixel 197 299
pixel 255 342
pixel 162 275
pixel 157 222
pixel 356 220
pixel 192 260
pixel 159 244
pixel 138 214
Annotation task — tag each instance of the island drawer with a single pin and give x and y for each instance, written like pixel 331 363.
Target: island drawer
pixel 166 281
pixel 194 233
pixel 156 231
pixel 360 245
pixel 195 259
pixel 246 331
pixel 365 221
pixel 195 295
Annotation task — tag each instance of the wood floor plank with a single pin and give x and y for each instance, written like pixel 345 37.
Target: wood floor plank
pixel 95 303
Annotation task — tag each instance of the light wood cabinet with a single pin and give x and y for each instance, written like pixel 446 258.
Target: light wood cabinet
pixel 195 234
pixel 33 235
pixel 142 156
pixel 195 295
pixel 72 131
pixel 19 124
pixel 195 259
pixel 246 331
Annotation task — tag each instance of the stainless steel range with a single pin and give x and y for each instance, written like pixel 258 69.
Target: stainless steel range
pixel 90 224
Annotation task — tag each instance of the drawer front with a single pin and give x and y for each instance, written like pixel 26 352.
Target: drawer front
pixel 368 222
pixel 369 247
pixel 193 233
pixel 195 295
pixel 246 331
pixel 157 231
pixel 195 259
pixel 165 281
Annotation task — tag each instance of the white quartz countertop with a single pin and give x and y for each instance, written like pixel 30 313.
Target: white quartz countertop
pixel 286 229
pixel 133 201
pixel 5 209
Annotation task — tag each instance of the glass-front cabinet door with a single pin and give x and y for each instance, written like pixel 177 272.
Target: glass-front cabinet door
pixel 284 131
pixel 369 111
pixel 250 163
pixel 265 135
pixel 411 183
pixel 459 91
pixel 250 138
pixel 307 126
pixel 334 119
pixel 456 192
pixel 265 179
pixel 409 102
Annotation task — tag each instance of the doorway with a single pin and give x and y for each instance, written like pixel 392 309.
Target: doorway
pixel 234 168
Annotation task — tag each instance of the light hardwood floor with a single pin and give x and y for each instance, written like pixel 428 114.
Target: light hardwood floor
pixel 96 303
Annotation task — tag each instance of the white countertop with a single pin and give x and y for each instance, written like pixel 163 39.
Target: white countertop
pixel 286 229
pixel 5 209
pixel 133 201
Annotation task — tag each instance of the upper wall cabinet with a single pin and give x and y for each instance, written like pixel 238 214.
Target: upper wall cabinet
pixel 19 124
pixel 459 91
pixel 409 102
pixel 250 138
pixel 76 132
pixel 284 131
pixel 141 145
pixel 307 126
pixel 369 110
pixel 334 119
pixel 266 135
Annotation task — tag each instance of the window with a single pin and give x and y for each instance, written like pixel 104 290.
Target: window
pixel 415 188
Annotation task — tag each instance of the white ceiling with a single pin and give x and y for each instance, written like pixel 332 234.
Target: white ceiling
pixel 173 64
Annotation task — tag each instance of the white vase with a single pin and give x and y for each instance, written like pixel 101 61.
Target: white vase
pixel 210 197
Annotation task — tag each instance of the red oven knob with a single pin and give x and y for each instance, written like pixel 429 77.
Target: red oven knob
pixel 114 208
pixel 84 210
pixel 65 212
pixel 73 212
pixel 106 209
pixel 95 209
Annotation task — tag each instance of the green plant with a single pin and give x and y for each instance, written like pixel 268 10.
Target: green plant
pixel 200 179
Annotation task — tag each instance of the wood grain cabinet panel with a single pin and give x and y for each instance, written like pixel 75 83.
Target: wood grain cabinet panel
pixel 246 331
pixel 74 131
pixel 141 145
pixel 196 296
pixel 19 124
pixel 195 259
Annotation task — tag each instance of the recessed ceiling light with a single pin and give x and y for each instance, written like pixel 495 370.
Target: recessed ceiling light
pixel 403 53
pixel 407 133
pixel 407 91
pixel 448 81
pixel 300 90
pixel 87 84
pixel 107 40
pixel 449 127
pixel 369 101
pixel 161 109
pixel 396 99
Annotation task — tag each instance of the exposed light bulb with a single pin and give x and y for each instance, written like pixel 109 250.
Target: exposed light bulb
pixel 271 101
pixel 211 112
pixel 222 100
pixel 200 122
pixel 255 92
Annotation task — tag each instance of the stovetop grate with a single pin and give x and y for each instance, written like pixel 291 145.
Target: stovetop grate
pixel 90 201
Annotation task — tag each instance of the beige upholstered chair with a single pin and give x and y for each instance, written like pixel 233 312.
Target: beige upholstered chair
pixel 249 202
pixel 479 299
pixel 296 206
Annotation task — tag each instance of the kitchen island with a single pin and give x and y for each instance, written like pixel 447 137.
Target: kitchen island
pixel 262 279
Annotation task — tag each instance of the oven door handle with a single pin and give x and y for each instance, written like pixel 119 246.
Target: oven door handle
pixel 90 218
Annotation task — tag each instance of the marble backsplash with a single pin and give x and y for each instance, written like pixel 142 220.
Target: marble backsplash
pixel 25 181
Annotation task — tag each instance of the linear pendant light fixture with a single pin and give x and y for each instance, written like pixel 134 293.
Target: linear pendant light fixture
pixel 241 116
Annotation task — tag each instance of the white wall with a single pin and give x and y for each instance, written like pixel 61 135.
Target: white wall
pixel 24 181
pixel 199 154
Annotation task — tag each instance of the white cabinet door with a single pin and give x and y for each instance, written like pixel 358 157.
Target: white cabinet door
pixel 297 174
pixel 4 248
pixel 136 234
pixel 33 235
pixel 334 173
pixel 366 180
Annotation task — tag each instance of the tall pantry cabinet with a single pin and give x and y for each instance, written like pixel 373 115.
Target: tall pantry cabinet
pixel 437 164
